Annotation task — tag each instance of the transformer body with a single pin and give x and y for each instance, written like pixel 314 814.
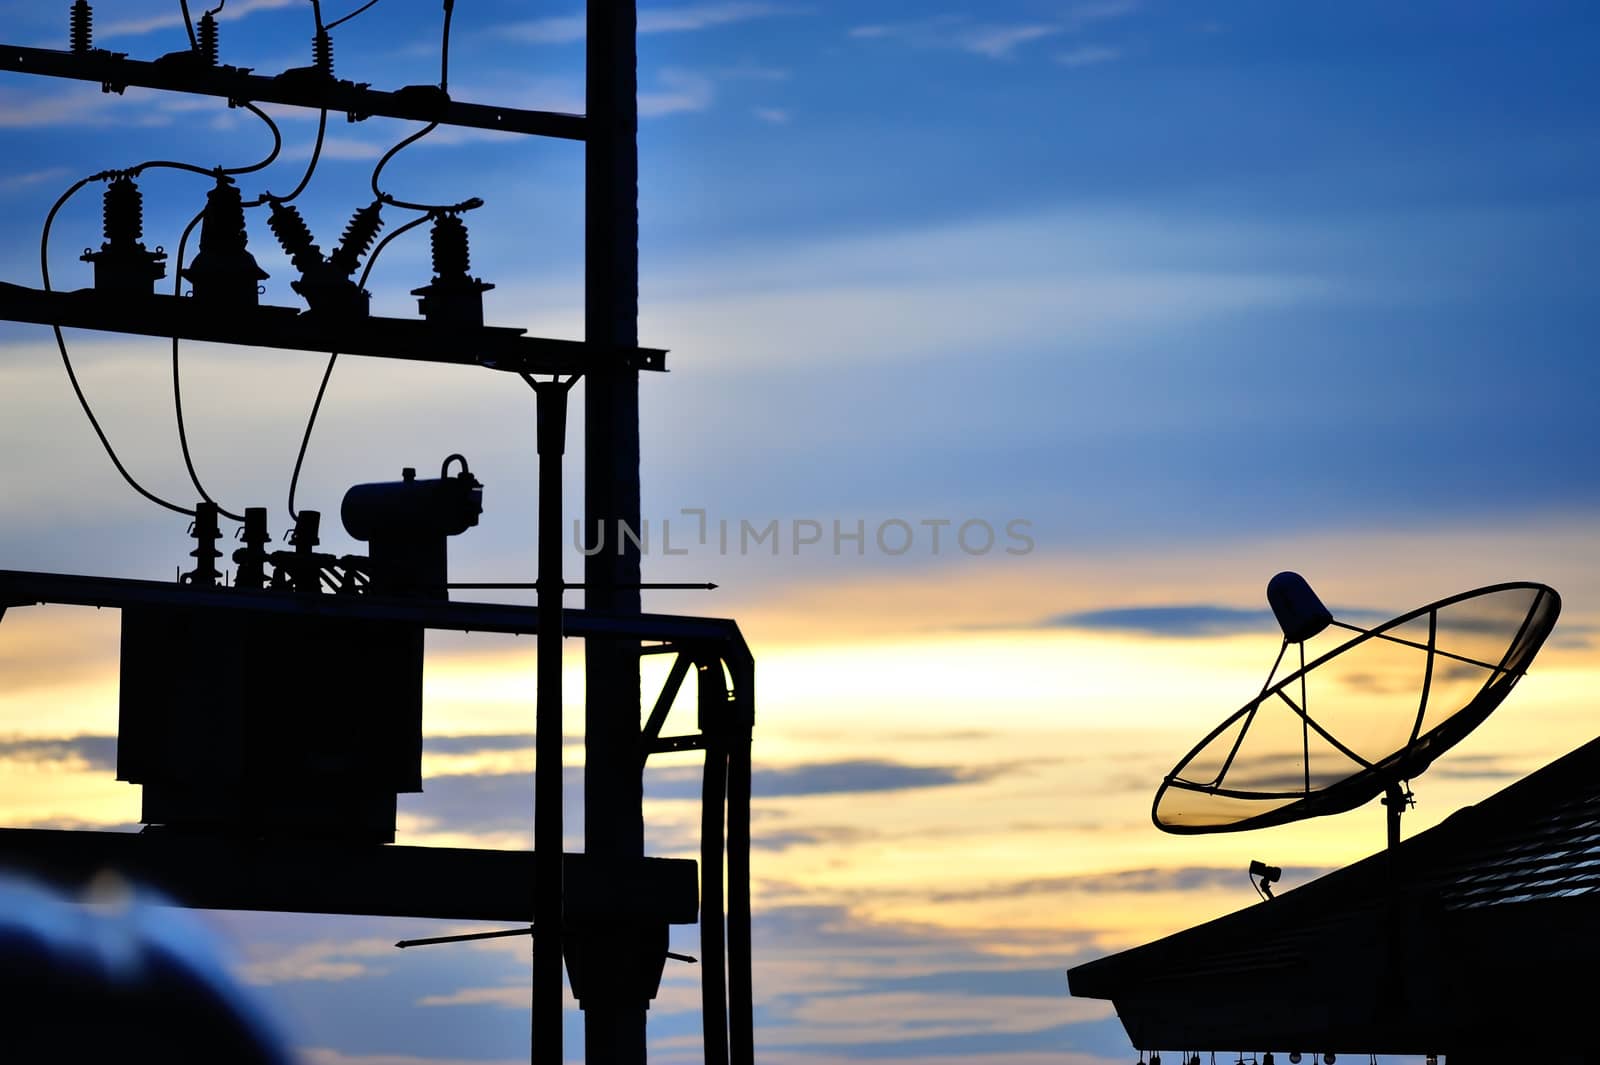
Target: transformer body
pixel 262 723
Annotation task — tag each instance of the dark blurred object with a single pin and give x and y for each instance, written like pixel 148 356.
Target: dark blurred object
pixel 129 982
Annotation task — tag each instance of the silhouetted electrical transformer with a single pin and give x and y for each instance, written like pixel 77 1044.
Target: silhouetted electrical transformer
pixel 252 721
pixel 407 524
pixel 264 724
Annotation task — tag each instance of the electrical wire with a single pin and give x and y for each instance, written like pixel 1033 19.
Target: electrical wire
pixel 444 47
pixel 177 387
pixel 218 9
pixel 177 287
pixel 444 85
pixel 327 373
pixel 66 360
pixel 188 24
pixel 390 154
pixel 351 15
pixel 311 168
pixel 61 341
pixel 190 168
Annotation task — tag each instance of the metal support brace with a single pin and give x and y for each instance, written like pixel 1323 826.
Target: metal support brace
pixel 548 919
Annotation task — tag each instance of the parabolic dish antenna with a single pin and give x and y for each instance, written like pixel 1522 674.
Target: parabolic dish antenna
pixel 1361 718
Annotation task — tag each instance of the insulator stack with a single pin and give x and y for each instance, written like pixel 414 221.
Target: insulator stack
pixel 124 211
pixel 205 553
pixel 251 559
pixel 449 240
pixel 358 238
pixel 454 297
pixel 223 228
pixel 207 33
pixel 124 266
pixel 81 31
pixel 294 236
pixel 224 275
pixel 305 564
pixel 307 532
pixel 326 284
pixel 322 52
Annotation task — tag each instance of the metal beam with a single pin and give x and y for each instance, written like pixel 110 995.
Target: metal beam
pixel 297 88
pixel 441 883
pixel 22 588
pixel 411 339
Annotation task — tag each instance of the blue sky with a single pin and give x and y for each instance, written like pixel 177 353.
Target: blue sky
pixel 1199 291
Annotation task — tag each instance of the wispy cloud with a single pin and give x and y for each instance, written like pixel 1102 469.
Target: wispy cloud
pixel 139 26
pixel 1482 767
pixel 681 91
pixel 1195 619
pixel 1128 881
pixel 788 838
pixel 329 1056
pixel 482 803
pixel 827 778
pixel 992 40
pixel 556 29
pixel 513 997
pixel 14 182
pixel 340 148
pixel 776 116
pixel 751 71
pixel 93 752
pixel 479 743
pixel 998 40
pixel 1088 55
pixel 565 29
pixel 72 105
pixel 1102 10
pixel 704 16
pixel 320 961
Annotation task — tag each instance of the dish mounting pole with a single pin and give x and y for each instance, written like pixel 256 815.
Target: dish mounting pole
pixel 1395 798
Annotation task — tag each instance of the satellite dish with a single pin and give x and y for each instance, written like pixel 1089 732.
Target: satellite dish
pixel 1361 718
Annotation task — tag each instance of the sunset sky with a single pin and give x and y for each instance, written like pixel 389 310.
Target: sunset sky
pixel 1170 296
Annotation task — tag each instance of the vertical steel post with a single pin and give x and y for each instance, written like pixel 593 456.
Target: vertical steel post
pixel 614 1009
pixel 547 819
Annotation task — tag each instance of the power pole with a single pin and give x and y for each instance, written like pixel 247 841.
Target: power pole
pixel 614 1004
